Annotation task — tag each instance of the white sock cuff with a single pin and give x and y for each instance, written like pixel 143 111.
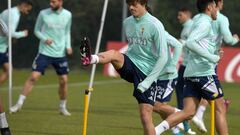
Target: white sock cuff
pixel 63 103
pixel 3 120
pixel 162 127
pixel 95 59
pixel 21 99
pixel 165 124
pixel 201 107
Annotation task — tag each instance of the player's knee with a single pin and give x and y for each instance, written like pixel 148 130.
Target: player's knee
pixel 220 109
pixel 63 80
pixel 220 106
pixel 32 79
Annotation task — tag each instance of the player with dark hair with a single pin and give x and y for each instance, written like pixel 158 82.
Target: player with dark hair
pixel 184 17
pixel 24 6
pixel 200 81
pixel 223 33
pixel 147 47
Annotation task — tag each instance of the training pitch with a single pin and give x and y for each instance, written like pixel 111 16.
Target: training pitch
pixel 113 110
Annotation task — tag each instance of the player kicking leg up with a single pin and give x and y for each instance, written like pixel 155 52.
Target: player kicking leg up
pixel 130 73
pixel 140 57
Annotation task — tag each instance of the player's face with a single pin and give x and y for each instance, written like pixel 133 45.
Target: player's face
pixel 56 4
pixel 213 10
pixel 136 9
pixel 182 17
pixel 26 8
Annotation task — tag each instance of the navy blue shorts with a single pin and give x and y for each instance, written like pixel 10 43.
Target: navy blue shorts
pixel 165 89
pixel 132 74
pixel 3 58
pixel 42 61
pixel 206 87
pixel 179 87
pixel 217 80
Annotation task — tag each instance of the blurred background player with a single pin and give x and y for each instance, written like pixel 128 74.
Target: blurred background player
pixel 4 128
pixel 200 81
pixel 223 33
pixel 53 28
pixel 184 17
pixel 147 46
pixel 24 7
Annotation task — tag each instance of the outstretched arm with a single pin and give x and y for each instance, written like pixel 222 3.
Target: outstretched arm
pixel 226 33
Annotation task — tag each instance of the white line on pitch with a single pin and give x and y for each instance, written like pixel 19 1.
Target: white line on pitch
pixel 69 84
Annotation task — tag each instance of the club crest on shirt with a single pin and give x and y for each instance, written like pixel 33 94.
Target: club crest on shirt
pixel 142 30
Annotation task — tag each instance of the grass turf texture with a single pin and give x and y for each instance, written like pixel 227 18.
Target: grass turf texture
pixel 113 110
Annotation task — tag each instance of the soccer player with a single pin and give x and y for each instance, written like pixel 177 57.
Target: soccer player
pixel 223 33
pixel 53 29
pixel 4 128
pixel 200 81
pixel 147 47
pixel 3 28
pixel 24 7
pixel 165 81
pixel 184 17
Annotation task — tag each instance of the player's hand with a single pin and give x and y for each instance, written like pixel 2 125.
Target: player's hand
pixel 48 41
pixel 25 33
pixel 236 36
pixel 69 51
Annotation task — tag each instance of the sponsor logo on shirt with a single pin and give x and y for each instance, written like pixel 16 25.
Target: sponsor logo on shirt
pixel 137 41
pixel 56 26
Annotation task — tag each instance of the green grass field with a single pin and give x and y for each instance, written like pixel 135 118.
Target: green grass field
pixel 113 110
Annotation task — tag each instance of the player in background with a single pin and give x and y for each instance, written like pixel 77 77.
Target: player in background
pixel 4 128
pixel 223 33
pixel 24 7
pixel 184 17
pixel 165 81
pixel 200 81
pixel 53 28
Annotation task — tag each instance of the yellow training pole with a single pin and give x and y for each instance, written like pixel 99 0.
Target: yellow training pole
pixel 85 113
pixel 212 117
pixel 90 87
